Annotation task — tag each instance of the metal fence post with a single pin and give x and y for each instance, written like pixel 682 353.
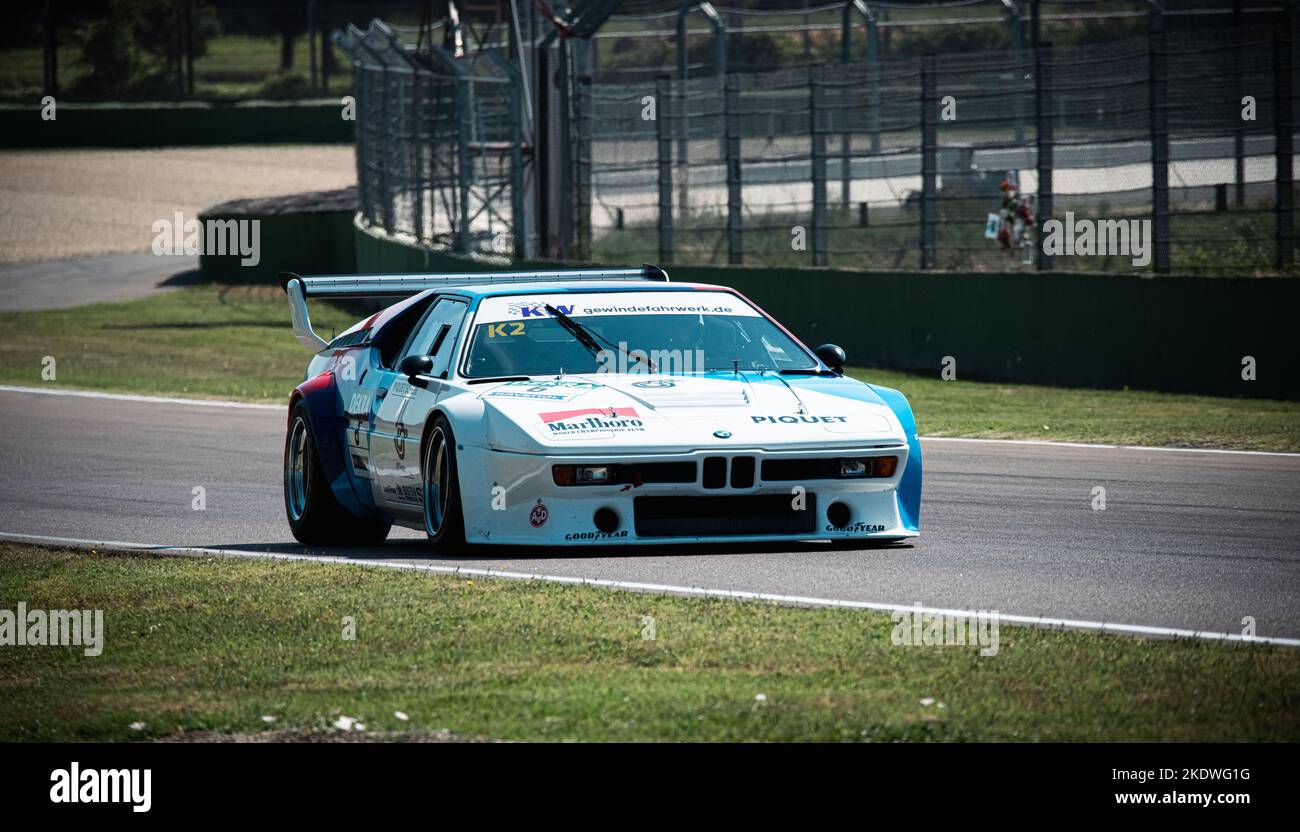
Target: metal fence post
pixel 873 79
pixel 189 48
pixel 681 118
pixel 1159 86
pixel 50 54
pixel 465 163
pixel 518 213
pixel 929 208
pixel 582 169
pixel 846 58
pixel 731 118
pixel 386 151
pixel 1283 131
pixel 683 75
pixel 311 41
pixel 1018 51
pixel 568 203
pixel 1238 131
pixel 1044 105
pixel 818 135
pixel 178 22
pixel 416 148
pixel 664 133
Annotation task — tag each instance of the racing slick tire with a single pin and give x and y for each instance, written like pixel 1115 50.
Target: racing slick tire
pixel 444 522
pixel 315 517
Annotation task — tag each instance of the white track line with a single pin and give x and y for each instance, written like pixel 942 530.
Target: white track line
pixel 124 397
pixel 662 589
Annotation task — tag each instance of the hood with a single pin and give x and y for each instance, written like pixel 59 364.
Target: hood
pixel 652 413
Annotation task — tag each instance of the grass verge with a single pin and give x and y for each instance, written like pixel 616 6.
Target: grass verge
pixel 216 644
pixel 235 342
pixel 208 341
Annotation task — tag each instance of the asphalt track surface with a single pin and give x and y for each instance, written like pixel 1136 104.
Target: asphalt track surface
pixel 60 284
pixel 1187 540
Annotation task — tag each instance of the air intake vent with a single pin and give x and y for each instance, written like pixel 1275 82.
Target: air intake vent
pixel 749 514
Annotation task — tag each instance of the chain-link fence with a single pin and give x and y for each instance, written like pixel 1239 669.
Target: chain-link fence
pixel 1163 150
pixel 1166 151
pixel 439 150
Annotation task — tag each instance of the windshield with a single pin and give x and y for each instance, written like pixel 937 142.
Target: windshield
pixel 630 332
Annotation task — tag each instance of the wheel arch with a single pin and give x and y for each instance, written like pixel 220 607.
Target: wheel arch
pixel 320 396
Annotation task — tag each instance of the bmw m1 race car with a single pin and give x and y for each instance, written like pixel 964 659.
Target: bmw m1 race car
pixel 585 407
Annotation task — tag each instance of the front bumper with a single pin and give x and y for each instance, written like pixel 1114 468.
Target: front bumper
pixel 511 498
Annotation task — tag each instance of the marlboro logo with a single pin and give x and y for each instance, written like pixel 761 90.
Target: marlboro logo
pixel 592 421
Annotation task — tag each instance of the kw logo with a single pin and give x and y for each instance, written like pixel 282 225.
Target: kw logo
pixel 534 309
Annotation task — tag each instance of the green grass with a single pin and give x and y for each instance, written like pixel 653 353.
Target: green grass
pixel 202 341
pixel 236 342
pixel 215 644
pixel 235 66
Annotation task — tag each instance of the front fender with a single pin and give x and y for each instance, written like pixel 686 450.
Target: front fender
pixel 909 487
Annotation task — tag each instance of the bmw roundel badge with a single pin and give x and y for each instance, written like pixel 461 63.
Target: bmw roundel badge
pixel 722 434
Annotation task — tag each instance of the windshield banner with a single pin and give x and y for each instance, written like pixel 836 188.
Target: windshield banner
pixel 596 304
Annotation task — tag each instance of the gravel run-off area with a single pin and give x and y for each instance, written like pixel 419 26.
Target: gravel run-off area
pixel 59 204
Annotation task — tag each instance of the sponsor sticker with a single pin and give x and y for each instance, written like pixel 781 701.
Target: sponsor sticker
pixel 539 515
pixel 550 391
pixel 594 304
pixel 795 420
pixel 857 528
pixel 591 422
pixel 588 537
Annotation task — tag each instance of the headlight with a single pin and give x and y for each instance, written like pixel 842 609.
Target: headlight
pixel 582 474
pixel 854 468
pixel 871 466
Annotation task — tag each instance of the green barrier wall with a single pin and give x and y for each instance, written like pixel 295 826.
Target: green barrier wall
pixel 173 124
pixel 307 243
pixel 1177 334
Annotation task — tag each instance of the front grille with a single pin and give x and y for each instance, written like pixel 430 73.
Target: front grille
pixel 639 473
pixel 715 471
pixel 742 472
pixel 722 516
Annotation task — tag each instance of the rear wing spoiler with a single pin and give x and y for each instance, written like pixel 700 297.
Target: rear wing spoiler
pixel 299 288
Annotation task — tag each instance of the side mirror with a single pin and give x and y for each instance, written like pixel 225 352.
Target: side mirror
pixel 832 356
pixel 415 365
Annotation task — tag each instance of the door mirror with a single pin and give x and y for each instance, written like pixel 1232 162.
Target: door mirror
pixel 832 356
pixel 415 365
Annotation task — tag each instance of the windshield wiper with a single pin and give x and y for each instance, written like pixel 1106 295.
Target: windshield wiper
pixel 492 379
pixel 587 338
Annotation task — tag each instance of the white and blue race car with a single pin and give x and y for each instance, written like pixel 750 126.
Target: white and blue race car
pixel 589 407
